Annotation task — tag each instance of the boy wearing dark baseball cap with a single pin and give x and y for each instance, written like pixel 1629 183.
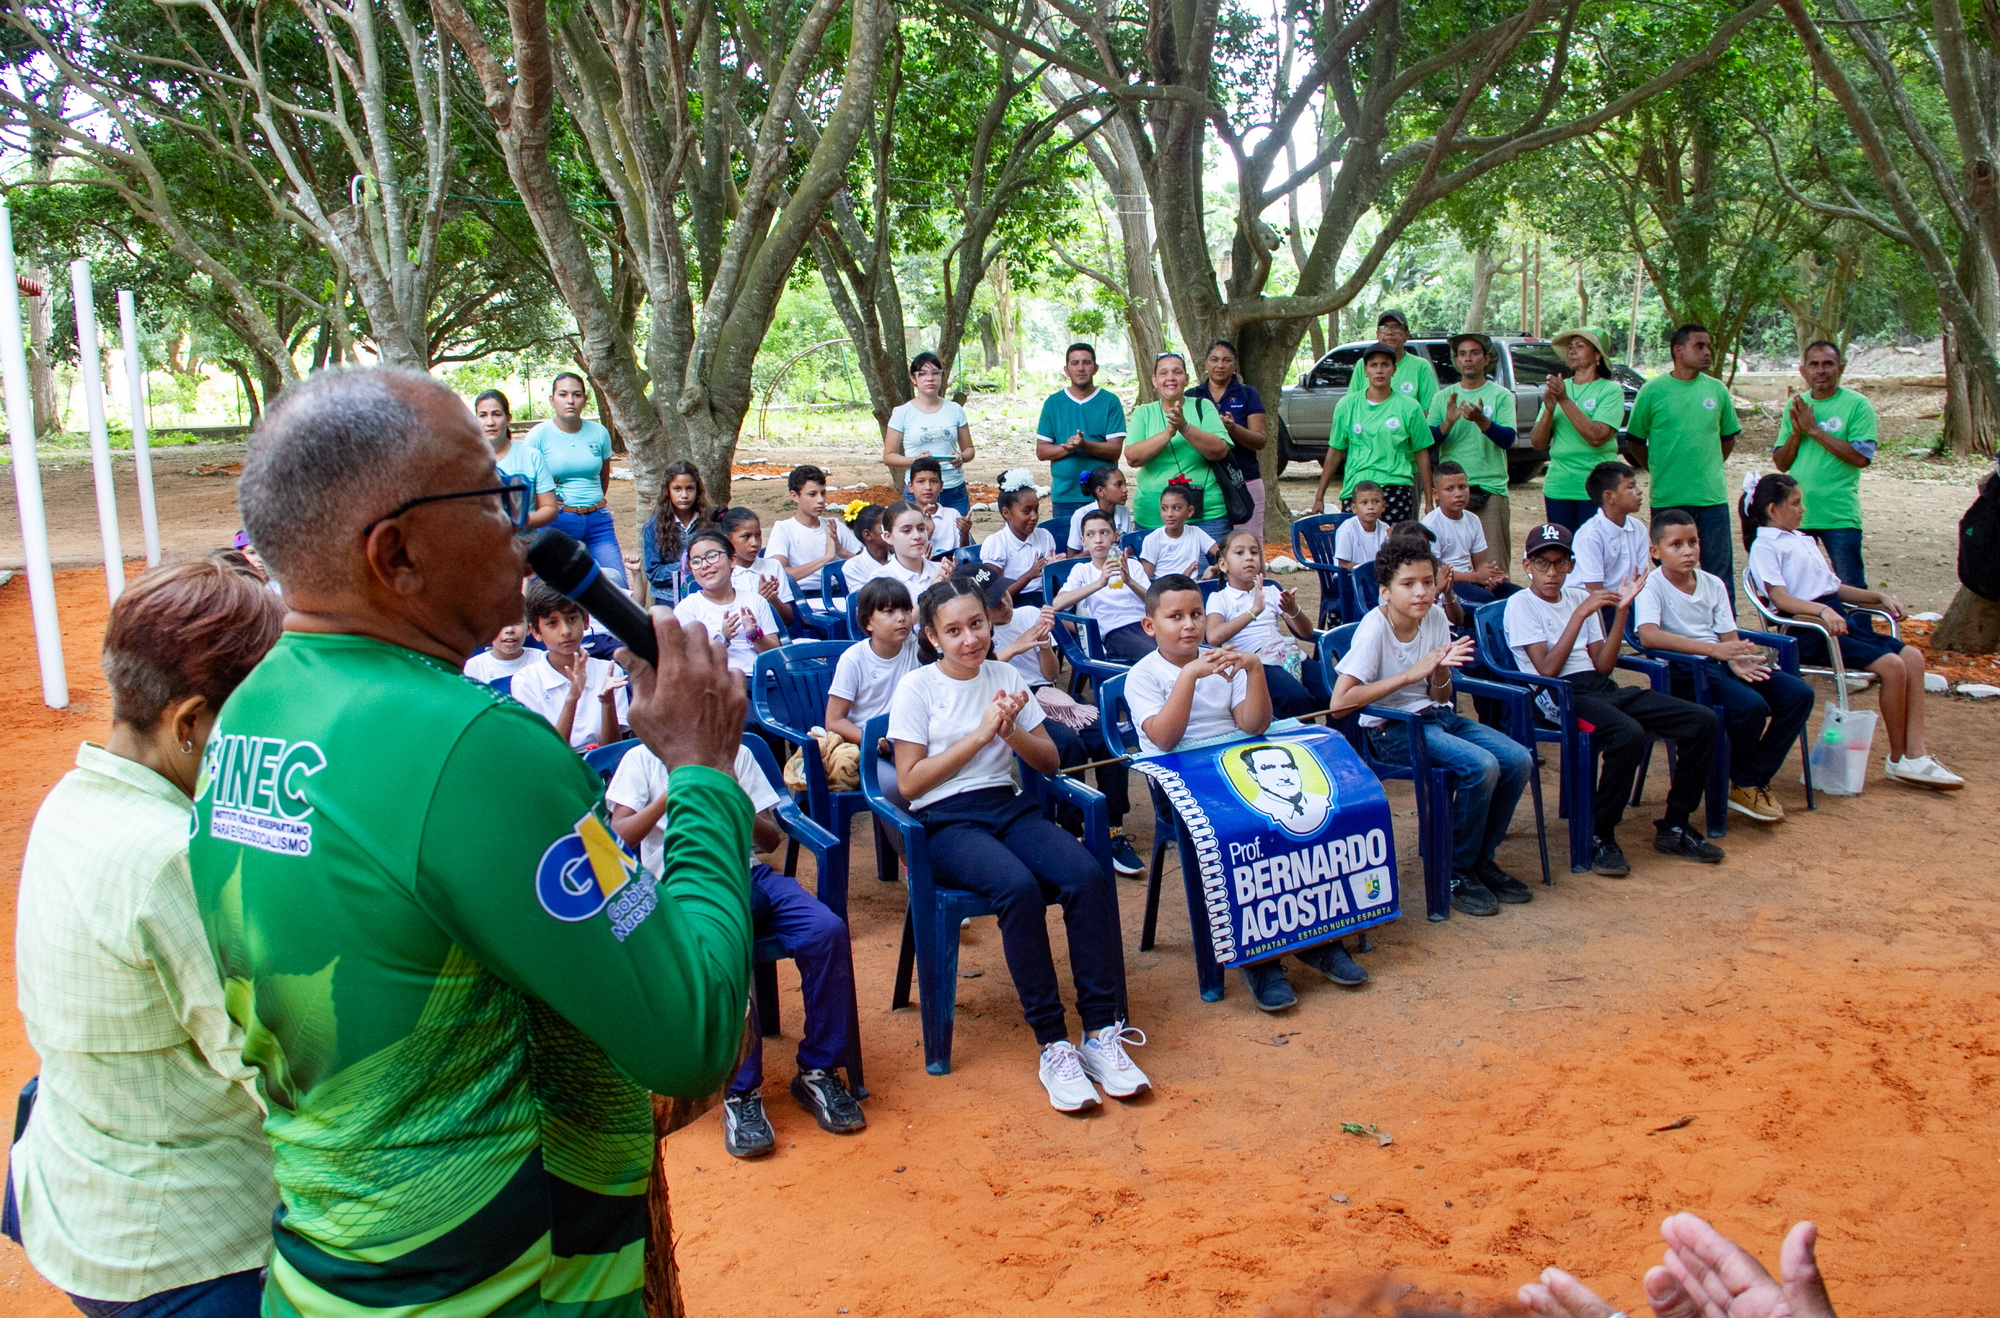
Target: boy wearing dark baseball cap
pixel 1556 631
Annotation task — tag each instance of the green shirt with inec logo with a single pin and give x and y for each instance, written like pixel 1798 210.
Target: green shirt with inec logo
pixel 1381 439
pixel 424 925
pixel 1572 457
pixel 1484 461
pixel 1683 422
pixel 1416 379
pixel 1832 487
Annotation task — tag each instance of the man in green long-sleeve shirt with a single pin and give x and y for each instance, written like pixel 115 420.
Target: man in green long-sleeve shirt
pixel 455 984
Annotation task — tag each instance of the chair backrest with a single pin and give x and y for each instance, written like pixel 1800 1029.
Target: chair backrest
pixel 760 750
pixel 966 557
pixel 1133 542
pixel 1759 600
pixel 873 733
pixel 1116 716
pixel 1359 591
pixel 605 759
pixel 1055 574
pixel 1489 628
pixel 1313 537
pixel 832 585
pixel 789 686
pixel 504 684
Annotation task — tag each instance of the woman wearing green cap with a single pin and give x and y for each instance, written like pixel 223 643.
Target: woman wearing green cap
pixel 1578 426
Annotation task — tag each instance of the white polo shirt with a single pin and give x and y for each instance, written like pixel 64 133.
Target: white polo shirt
pixel 1211 713
pixel 542 689
pixel 1792 560
pixel 1611 555
pixel 1014 556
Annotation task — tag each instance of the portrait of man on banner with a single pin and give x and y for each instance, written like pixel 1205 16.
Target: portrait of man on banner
pixel 1271 779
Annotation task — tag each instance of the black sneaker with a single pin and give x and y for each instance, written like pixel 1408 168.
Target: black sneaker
pixel 1678 841
pixel 1268 985
pixel 1331 960
pixel 1124 856
pixel 822 1094
pixel 1608 859
pixel 746 1131
pixel 1502 884
pixel 1470 897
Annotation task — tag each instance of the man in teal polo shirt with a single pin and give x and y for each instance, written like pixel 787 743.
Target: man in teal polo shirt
pixel 455 984
pixel 1082 427
pixel 1825 438
pixel 1683 427
pixel 1415 378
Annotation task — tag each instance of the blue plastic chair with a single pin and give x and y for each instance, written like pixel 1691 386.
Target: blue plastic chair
pixel 830 867
pixel 1313 547
pixel 1123 738
pixel 965 557
pixel 1434 833
pixel 930 926
pixel 1077 634
pixel 604 759
pixel 1785 650
pixel 1577 779
pixel 788 691
pixel 504 684
pixel 1132 542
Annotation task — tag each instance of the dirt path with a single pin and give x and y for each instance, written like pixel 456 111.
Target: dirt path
pixel 1821 1005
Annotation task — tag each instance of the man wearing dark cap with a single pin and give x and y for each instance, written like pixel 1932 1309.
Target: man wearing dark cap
pixel 1474 423
pixel 1379 434
pixel 1556 631
pixel 1415 379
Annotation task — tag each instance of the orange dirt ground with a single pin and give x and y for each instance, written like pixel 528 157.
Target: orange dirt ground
pixel 1821 1005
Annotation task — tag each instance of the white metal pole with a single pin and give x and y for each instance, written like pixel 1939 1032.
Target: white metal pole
pixel 91 359
pixel 28 478
pixel 142 456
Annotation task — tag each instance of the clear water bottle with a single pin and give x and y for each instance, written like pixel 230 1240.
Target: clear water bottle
pixel 1826 752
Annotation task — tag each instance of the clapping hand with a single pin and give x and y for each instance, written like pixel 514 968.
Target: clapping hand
pixel 615 683
pixel 1288 601
pixel 1804 420
pixel 1751 668
pixel 579 673
pixel 1602 598
pixel 998 720
pixel 733 623
pixel 1630 590
pixel 1043 626
pixel 768 587
pixel 1172 410
pixel 1555 390
pixel 1452 413
pixel 964 527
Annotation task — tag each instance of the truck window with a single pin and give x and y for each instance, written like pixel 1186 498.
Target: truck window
pixel 1439 352
pixel 1533 366
pixel 1335 370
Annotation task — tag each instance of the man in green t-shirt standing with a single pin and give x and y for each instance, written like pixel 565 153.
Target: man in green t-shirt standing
pixel 455 985
pixel 1474 423
pixel 1825 438
pixel 1415 378
pixel 1683 427
pixel 1081 427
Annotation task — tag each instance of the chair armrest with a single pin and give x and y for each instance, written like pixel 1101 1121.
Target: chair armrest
pixel 1305 562
pixel 813 837
pixel 1895 629
pixel 1786 647
pixel 1096 824
pixel 1516 699
pixel 1655 671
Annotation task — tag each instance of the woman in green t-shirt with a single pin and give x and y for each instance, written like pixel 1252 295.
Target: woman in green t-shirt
pixel 1177 435
pixel 1578 427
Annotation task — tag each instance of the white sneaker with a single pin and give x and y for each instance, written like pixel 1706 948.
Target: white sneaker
pixel 1922 771
pixel 1105 1060
pixel 1062 1075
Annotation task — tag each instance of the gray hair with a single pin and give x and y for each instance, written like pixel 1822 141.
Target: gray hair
pixel 333 453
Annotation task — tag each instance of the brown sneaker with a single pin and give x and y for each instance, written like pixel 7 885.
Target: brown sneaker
pixel 1756 802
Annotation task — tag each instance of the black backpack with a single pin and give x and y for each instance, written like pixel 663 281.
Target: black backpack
pixel 1979 542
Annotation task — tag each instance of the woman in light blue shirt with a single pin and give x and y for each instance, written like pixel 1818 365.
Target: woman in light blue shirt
pixel 577 453
pixel 931 426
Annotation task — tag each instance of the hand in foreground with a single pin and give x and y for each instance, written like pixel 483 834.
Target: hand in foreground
pixel 689 708
pixel 1559 1295
pixel 1750 668
pixel 1708 1275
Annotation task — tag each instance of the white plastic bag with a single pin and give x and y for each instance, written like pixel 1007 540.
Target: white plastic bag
pixel 1841 752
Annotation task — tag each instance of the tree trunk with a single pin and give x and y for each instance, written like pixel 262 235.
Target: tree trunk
pixel 1582 297
pixel 242 372
pixel 1486 267
pixel 41 364
pixel 1970 626
pixel 1971 417
pixel 989 342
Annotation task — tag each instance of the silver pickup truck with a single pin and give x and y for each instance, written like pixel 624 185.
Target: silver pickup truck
pixel 1305 412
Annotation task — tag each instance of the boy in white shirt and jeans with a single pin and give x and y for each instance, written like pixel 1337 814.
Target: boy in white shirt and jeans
pixel 1557 633
pixel 1401 657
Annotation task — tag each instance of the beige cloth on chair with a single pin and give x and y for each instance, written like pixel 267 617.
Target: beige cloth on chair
pixel 841 757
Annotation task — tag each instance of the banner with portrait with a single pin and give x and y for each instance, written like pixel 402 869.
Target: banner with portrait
pixel 1291 835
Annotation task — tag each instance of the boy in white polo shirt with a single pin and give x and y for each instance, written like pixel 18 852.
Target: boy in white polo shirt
pixel 1612 547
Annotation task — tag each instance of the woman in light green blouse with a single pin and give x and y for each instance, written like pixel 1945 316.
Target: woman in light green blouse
pixel 1172 439
pixel 143 1179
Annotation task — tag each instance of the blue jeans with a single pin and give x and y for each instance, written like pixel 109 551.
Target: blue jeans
pixel 1219 529
pixel 599 533
pixel 1488 772
pixel 238 1295
pixel 1764 718
pixel 1568 513
pixel 997 843
pixel 955 498
pixel 1718 543
pixel 1292 697
pixel 816 941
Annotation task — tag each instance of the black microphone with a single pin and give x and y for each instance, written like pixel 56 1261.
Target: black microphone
pixel 563 562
